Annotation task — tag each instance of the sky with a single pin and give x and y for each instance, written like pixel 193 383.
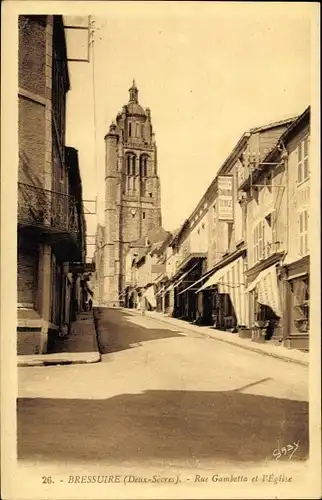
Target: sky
pixel 207 71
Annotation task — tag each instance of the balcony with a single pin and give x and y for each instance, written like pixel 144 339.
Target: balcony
pixel 49 211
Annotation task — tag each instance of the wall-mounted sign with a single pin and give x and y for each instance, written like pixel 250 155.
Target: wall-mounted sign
pixel 225 198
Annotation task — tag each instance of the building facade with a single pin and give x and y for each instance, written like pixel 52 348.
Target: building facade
pixel 51 224
pixel 241 260
pixel 297 261
pixel 132 196
pixel 142 269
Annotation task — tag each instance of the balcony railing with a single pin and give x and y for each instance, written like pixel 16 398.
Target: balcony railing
pixel 46 209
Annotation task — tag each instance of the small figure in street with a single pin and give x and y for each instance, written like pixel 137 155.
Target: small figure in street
pixel 90 304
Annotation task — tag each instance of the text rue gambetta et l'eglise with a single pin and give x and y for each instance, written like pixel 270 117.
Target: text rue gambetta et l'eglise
pixel 215 478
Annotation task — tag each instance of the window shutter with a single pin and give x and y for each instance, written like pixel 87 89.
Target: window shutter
pixel 301 233
pixel 299 163
pixel 306 235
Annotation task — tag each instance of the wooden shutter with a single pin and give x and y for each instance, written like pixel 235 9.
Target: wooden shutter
pixel 299 164
pixel 301 227
pixel 306 244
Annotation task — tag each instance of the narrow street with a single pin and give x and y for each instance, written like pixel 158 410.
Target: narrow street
pixel 162 396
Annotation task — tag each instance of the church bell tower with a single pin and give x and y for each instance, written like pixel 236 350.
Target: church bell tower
pixel 132 190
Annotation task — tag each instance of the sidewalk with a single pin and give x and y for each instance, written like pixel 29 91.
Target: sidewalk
pixel 79 347
pixel 277 351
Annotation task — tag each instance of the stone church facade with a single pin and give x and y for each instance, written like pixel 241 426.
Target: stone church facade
pixel 132 191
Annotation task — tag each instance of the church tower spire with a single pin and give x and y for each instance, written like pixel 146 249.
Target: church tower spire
pixel 133 92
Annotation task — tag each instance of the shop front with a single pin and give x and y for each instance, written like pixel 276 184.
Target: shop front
pixel 265 304
pixel 225 295
pixel 185 299
pixel 297 304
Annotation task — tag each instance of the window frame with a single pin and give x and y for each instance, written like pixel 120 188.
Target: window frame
pixel 303 226
pixel 303 171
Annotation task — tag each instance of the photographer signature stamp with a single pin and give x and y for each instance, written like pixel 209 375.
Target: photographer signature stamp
pixel 287 450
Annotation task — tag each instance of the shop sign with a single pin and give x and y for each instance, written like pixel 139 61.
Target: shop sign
pixel 225 198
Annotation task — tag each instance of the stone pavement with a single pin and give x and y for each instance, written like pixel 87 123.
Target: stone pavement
pixel 79 347
pixel 277 351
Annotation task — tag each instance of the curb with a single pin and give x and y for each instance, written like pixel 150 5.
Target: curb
pixel 53 360
pixel 58 362
pixel 227 341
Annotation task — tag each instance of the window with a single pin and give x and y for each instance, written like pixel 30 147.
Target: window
pixel 143 166
pixel 134 183
pixel 259 241
pixel 143 215
pixel 130 129
pixel 133 165
pixel 128 165
pixel 300 293
pixel 303 231
pixel 303 160
pixel 142 130
pixel 137 130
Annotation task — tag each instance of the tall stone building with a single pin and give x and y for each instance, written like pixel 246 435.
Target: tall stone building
pixel 132 190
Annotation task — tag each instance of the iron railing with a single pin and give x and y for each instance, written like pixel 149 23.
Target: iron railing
pixel 46 209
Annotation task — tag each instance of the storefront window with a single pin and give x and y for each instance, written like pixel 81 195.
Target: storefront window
pixel 300 304
pixel 262 312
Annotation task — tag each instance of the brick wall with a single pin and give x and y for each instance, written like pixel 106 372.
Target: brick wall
pixel 31 142
pixel 27 274
pixel 32 49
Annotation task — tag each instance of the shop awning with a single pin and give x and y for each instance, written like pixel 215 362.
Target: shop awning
pixel 213 280
pixel 267 289
pixel 180 280
pixel 169 288
pixel 230 280
pixel 150 296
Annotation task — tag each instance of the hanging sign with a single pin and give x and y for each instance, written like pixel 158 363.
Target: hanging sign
pixel 225 198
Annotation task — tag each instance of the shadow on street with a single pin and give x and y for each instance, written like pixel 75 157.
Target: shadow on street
pixel 178 426
pixel 116 332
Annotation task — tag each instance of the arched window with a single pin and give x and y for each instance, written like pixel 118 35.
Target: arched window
pixel 133 165
pixel 128 165
pixel 143 166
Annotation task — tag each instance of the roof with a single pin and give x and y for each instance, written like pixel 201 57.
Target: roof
pixel 238 147
pixel 287 134
pixel 179 231
pixel 155 235
pixel 275 124
pixel 134 108
pixel 305 116
pixel 140 254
